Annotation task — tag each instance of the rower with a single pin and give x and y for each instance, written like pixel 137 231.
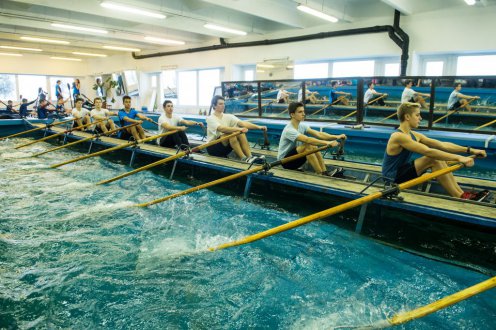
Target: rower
pixel 128 115
pixel 169 121
pixel 42 109
pixel 310 97
pixel 23 109
pixel 283 95
pixel 397 166
pixel 371 94
pixel 80 114
pixel 102 115
pixel 409 95
pixel 337 97
pixel 294 141
pixel 458 100
pixel 220 123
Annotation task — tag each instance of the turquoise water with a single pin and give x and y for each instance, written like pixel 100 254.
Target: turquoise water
pixel 76 255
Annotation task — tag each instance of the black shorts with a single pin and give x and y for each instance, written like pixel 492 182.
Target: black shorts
pixel 406 172
pixel 412 100
pixel 455 106
pixel 219 150
pixel 281 101
pixel 295 164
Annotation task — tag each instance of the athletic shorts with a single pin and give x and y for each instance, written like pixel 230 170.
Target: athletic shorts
pixel 281 101
pixel 219 150
pixel 295 164
pixel 406 172
pixel 455 106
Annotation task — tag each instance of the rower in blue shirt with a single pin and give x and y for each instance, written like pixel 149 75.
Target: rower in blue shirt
pixel 128 115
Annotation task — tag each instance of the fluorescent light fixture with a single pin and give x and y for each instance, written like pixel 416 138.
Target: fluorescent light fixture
pixel 270 66
pixel 224 29
pixel 164 41
pixel 79 28
pixel 90 54
pixel 66 59
pixel 22 48
pixel 260 71
pixel 470 2
pixel 317 13
pixel 132 10
pixel 290 67
pixel 123 48
pixel 10 54
pixel 49 41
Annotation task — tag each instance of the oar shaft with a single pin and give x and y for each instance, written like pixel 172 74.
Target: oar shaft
pixel 452 112
pixel 168 159
pixel 35 129
pixel 232 177
pixel 80 141
pixel 444 302
pixel 487 124
pixel 335 209
pixel 348 115
pixel 122 146
pixel 203 186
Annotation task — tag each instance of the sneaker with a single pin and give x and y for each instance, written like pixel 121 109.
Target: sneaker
pixel 255 160
pixel 481 195
pixel 468 195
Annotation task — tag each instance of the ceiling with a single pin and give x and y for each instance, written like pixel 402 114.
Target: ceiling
pixel 185 20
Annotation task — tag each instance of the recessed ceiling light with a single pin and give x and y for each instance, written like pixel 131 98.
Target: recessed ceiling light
pixel 90 54
pixel 164 41
pixel 10 54
pixel 22 48
pixel 79 28
pixel 224 29
pixel 50 41
pixel 66 58
pixel 317 13
pixel 132 10
pixel 123 48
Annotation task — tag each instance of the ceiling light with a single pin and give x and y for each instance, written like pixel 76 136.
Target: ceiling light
pixel 164 41
pixel 78 28
pixel 470 2
pixel 270 66
pixel 10 54
pixel 89 54
pixel 66 59
pixel 123 48
pixel 132 10
pixel 224 29
pixel 317 13
pixel 260 71
pixel 50 41
pixel 22 48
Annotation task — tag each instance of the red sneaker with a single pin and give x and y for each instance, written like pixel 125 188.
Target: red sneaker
pixel 468 195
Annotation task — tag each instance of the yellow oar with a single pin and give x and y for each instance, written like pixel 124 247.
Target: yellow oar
pixel 250 110
pixel 442 303
pixel 83 140
pixel 233 176
pixel 487 124
pixel 339 208
pixel 55 135
pixel 451 112
pixel 171 158
pixel 368 103
pixel 122 146
pixel 390 116
pixel 327 106
pixel 36 129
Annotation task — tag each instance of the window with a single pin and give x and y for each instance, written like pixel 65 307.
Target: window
pixel 392 69
pixel 249 75
pixel 7 87
pixel 476 65
pixel 154 81
pixel 187 91
pixel 313 70
pixel 169 86
pixel 353 69
pixel 29 86
pixel 434 68
pixel 207 81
